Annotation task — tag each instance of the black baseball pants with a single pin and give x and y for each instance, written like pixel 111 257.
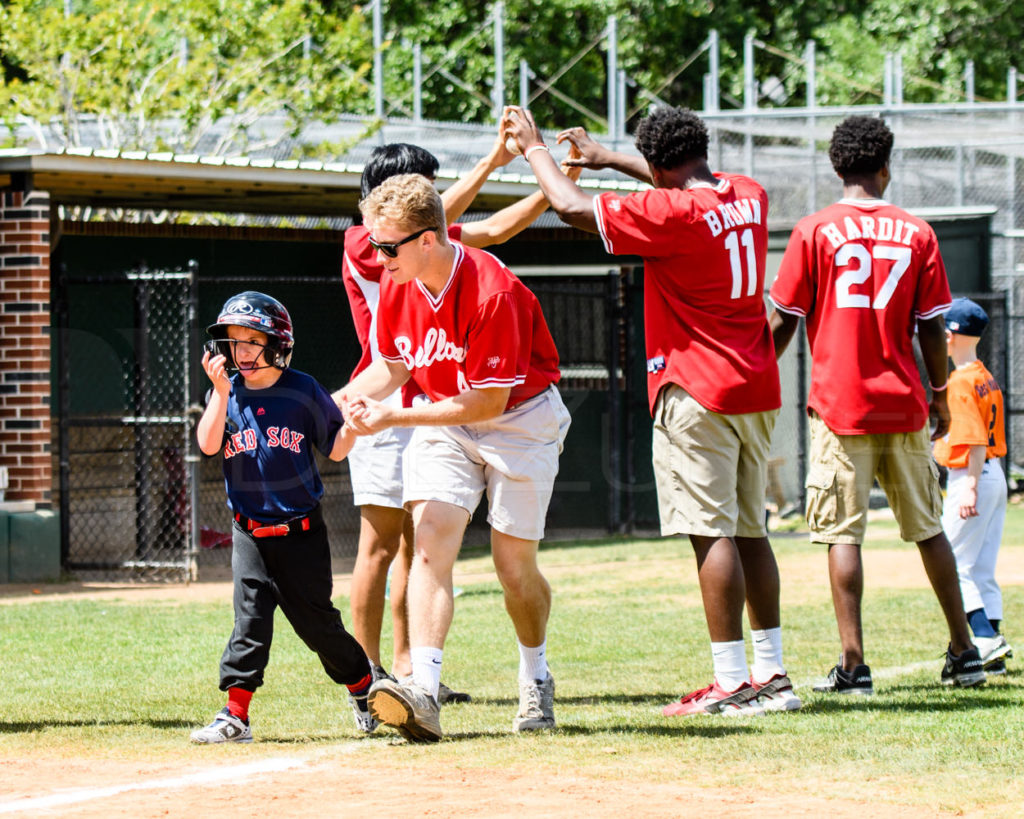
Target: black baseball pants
pixel 293 572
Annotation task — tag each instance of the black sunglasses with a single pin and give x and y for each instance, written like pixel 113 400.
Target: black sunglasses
pixel 391 249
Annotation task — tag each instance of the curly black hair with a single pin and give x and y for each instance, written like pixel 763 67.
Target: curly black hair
pixel 393 159
pixel 860 145
pixel 668 137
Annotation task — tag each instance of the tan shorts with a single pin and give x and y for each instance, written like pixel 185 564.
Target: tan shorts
pixel 513 457
pixel 843 470
pixel 711 469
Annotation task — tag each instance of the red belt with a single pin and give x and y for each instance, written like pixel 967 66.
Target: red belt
pixel 288 527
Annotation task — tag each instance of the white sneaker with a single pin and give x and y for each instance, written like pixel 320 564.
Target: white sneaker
pixel 407 708
pixel 776 694
pixel 226 727
pixel 536 705
pixel 992 649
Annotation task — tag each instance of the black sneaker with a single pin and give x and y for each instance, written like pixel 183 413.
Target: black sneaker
pixel 838 681
pixel 965 670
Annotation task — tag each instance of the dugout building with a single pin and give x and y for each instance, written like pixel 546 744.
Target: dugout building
pixel 105 294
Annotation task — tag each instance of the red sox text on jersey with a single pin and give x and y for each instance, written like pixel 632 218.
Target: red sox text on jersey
pixel 246 440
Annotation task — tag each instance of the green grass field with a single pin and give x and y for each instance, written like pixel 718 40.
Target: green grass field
pixel 109 678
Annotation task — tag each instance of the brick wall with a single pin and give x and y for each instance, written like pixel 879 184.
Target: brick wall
pixel 25 344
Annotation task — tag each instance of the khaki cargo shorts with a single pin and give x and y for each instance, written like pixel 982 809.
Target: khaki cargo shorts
pixel 843 470
pixel 711 469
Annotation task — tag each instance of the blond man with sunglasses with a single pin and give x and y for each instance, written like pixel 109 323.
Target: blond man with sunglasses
pixel 472 337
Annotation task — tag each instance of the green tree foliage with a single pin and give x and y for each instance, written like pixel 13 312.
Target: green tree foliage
pixel 935 39
pixel 116 65
pixel 179 75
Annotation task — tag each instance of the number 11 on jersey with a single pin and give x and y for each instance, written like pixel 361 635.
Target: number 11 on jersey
pixel 732 244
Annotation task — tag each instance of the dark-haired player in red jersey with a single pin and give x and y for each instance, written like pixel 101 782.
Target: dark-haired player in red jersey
pixel 713 383
pixel 864 274
pixel 474 339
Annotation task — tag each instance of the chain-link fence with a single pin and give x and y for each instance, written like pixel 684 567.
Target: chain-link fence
pixel 125 432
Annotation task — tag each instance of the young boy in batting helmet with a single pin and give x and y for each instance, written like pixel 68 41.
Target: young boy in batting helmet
pixel 266 419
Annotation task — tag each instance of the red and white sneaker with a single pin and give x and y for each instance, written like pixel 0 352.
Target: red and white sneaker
pixel 716 700
pixel 776 694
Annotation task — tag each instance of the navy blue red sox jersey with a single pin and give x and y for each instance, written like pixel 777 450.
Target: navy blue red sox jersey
pixel 270 470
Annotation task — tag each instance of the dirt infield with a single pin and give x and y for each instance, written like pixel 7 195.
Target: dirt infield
pixel 361 778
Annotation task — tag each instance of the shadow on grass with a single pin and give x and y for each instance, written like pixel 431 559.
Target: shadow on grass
pixel 925 700
pixel 710 728
pixel 42 725
pixel 654 700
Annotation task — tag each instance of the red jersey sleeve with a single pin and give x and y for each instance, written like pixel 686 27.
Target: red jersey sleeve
pixel 353 268
pixel 793 288
pixel 933 296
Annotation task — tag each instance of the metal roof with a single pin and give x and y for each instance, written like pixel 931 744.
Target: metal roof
pixel 151 181
pixel 266 182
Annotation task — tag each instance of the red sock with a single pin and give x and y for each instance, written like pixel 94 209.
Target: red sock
pixel 238 702
pixel 359 688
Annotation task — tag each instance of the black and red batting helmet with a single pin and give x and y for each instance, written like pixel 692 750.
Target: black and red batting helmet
pixel 256 311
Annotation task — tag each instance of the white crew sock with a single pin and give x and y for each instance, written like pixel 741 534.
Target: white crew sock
pixel 767 653
pixel 730 664
pixel 426 668
pixel 533 662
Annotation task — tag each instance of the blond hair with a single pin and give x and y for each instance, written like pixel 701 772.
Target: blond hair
pixel 408 201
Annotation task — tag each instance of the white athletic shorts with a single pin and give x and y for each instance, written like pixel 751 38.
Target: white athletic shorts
pixel 375 466
pixel 513 457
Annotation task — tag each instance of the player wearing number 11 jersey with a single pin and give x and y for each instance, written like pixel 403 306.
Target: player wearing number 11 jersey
pixel 864 274
pixel 713 385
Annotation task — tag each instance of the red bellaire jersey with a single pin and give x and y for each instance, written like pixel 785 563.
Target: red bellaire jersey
pixel 863 272
pixel 485 329
pixel 705 322
pixel 361 274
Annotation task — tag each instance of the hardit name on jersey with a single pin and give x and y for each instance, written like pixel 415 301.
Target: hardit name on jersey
pixel 882 229
pixel 733 214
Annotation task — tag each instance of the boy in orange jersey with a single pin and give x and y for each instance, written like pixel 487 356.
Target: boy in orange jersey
pixel 975 505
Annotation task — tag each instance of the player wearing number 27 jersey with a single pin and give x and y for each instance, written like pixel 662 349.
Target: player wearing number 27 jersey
pixel 863 272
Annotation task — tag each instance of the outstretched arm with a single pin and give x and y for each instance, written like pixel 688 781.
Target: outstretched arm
pixel 501 226
pixel 568 200
pixel 592 154
pixel 458 196
pixel 469 407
